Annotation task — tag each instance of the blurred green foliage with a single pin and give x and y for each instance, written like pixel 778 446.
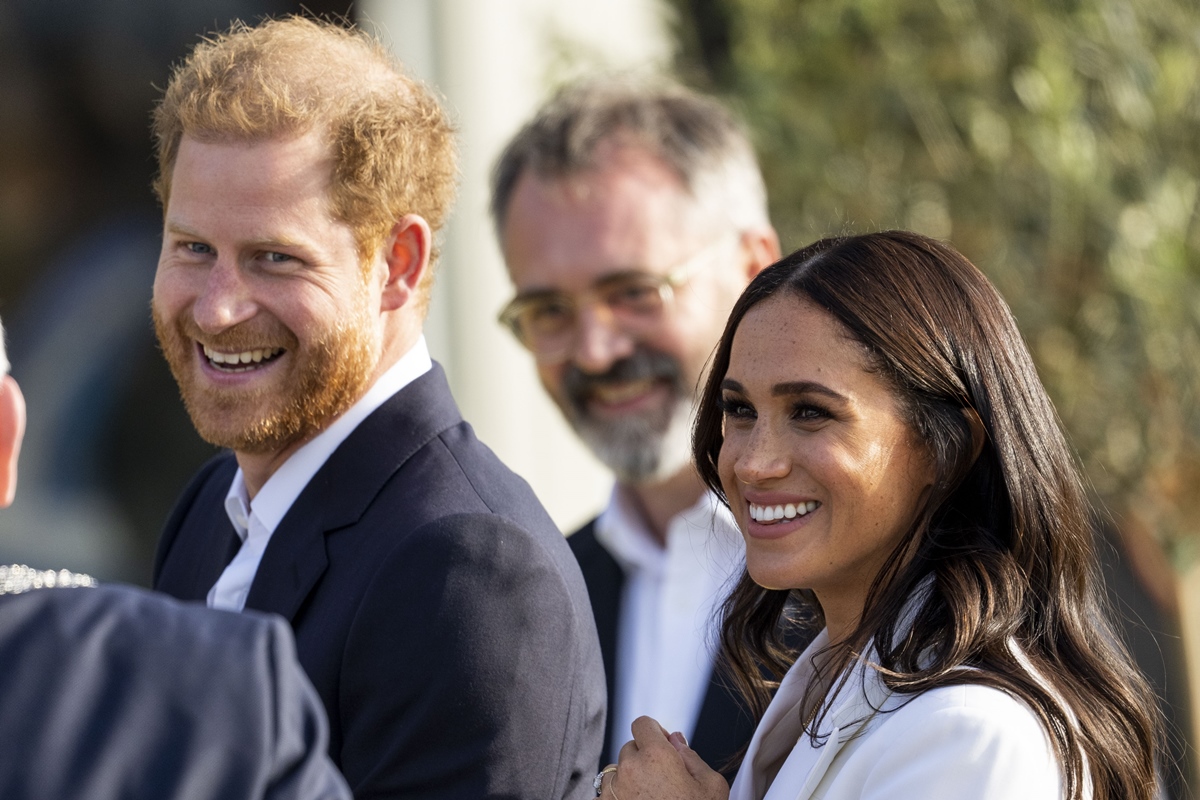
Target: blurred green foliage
pixel 1055 142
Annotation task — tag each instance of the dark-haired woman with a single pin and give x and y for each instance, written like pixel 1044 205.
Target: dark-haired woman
pixel 875 423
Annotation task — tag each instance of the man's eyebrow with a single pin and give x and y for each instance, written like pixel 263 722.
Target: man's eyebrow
pixel 266 243
pixel 539 294
pixel 599 283
pixel 176 227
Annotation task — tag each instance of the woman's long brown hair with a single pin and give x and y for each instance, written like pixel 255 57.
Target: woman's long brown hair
pixel 1004 544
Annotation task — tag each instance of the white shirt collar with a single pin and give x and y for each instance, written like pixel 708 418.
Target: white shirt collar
pixel 624 532
pixel 283 487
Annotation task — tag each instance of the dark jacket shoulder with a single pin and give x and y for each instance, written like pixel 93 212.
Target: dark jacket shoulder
pixel 115 692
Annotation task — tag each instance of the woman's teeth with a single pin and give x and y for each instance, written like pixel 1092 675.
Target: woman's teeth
pixel 774 513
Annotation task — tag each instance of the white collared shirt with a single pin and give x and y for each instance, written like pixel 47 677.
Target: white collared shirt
pixel 255 521
pixel 667 633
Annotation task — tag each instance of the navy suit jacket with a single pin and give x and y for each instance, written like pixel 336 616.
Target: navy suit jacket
pixel 724 726
pixel 436 608
pixel 118 694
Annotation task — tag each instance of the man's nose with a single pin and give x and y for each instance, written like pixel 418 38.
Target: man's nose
pixel 225 298
pixel 600 341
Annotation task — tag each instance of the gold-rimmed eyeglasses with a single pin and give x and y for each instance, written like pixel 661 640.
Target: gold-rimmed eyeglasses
pixel 546 321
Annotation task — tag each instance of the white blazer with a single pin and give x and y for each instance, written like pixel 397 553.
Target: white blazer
pixel 963 742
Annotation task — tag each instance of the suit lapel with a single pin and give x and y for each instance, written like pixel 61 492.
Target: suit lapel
pixel 203 539
pixel 780 742
pixel 861 698
pixel 342 490
pixel 295 558
pixel 605 581
pixel 863 695
pixel 780 734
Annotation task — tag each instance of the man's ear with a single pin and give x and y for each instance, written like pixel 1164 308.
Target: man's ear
pixel 406 253
pixel 762 249
pixel 12 430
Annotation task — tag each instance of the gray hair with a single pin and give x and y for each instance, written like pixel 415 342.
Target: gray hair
pixel 691 133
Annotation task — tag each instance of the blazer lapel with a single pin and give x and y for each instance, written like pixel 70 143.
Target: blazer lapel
pixel 862 697
pixel 203 541
pixel 605 582
pixel 293 562
pixel 780 735
pixel 779 729
pixel 342 490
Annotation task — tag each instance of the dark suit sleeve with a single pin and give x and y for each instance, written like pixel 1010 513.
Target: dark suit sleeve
pixel 298 764
pixel 461 670
pixel 115 693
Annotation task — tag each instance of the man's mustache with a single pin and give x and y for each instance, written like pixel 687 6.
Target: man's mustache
pixel 641 365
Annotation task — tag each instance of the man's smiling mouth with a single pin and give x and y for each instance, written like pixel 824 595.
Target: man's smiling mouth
pixel 243 361
pixel 618 392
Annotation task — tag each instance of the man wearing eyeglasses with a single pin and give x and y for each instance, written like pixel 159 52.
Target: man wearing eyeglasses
pixel 631 217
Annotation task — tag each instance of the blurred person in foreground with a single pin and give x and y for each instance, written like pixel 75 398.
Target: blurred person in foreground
pixel 436 608
pixel 875 423
pixel 116 693
pixel 631 216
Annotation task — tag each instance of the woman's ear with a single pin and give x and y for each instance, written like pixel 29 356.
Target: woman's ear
pixel 12 430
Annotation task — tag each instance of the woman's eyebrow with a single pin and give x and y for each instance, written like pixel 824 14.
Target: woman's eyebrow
pixel 804 387
pixel 788 389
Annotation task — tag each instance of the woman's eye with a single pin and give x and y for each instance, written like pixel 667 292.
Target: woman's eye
pixel 807 412
pixel 736 408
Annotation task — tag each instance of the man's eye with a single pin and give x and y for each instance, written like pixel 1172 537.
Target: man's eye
pixel 633 295
pixel 548 314
pixel 199 248
pixel 276 258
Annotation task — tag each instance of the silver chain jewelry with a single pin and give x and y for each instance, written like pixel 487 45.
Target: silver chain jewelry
pixel 18 578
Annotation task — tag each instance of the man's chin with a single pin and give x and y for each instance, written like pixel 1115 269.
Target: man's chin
pixel 249 427
pixel 261 438
pixel 637 450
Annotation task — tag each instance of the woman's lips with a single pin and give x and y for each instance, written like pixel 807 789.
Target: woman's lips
pixel 773 520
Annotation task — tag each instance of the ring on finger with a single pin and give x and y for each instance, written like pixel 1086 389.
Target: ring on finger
pixel 598 783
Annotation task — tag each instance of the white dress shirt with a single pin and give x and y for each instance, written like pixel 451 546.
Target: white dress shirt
pixel 667 633
pixel 255 521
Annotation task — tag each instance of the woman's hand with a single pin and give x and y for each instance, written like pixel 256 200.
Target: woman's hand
pixel 656 765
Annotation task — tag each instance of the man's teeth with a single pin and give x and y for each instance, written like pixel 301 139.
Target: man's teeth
pixel 789 511
pixel 229 360
pixel 612 394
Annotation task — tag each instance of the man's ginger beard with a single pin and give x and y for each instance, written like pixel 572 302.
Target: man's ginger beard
pixel 330 378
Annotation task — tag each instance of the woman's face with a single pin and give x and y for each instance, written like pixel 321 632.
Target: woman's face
pixel 822 473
